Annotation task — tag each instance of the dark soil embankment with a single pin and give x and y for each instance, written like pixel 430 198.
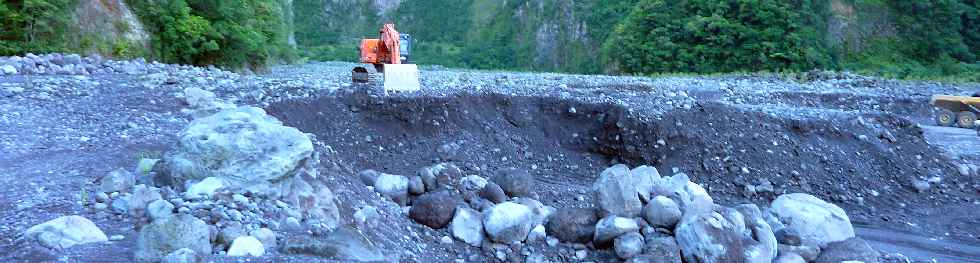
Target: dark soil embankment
pixel 863 162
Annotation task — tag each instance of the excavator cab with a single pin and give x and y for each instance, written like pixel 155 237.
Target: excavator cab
pixel 405 47
pixel 389 55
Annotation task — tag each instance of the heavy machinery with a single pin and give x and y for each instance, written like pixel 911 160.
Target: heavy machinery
pixel 960 111
pixel 389 55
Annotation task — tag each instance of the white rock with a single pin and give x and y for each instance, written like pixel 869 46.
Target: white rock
pixel 508 222
pixel 540 211
pixel 615 192
pixel 473 182
pixel 246 246
pixel 643 180
pixel 392 186
pixel 610 227
pixel 537 233
pixel 662 212
pixel 8 69
pixel 467 226
pixel 204 189
pixel 365 214
pixel 66 231
pixel 689 196
pixel 818 222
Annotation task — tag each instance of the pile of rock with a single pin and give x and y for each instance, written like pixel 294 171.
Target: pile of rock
pixel 640 215
pixel 233 178
pixel 74 64
pixel 644 216
pixel 474 208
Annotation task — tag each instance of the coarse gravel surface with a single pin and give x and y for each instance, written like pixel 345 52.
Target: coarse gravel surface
pixel 856 141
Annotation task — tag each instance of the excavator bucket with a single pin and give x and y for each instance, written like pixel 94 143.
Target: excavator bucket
pixel 401 78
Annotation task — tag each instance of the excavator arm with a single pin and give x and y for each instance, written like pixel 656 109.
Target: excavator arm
pixel 384 50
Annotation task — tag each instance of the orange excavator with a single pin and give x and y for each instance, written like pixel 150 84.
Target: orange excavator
pixel 389 54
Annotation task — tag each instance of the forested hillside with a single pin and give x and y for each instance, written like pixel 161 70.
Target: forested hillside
pixel 896 38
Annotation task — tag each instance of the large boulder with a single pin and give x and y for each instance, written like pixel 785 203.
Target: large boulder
pixel 249 151
pixel 434 209
pixel 515 182
pixel 142 196
pixel 610 227
pixel 689 196
pixel 663 249
pixel 243 146
pixel 643 179
pixel 169 234
pixel 662 212
pixel 615 193
pixel 65 232
pixel 851 249
pixel 492 192
pixel 343 244
pixel 246 246
pixel 575 225
pixel 817 222
pixel 628 245
pixel 508 222
pixel 118 180
pixel 726 235
pixel 540 211
pixel 467 225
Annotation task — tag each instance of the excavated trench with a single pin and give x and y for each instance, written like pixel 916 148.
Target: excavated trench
pixel 862 162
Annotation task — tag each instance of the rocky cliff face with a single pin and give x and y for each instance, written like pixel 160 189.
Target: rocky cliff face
pixel 107 22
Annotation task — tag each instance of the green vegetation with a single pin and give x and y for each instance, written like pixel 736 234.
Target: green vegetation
pixel 909 39
pixel 933 39
pixel 230 33
pixel 711 36
pixel 34 25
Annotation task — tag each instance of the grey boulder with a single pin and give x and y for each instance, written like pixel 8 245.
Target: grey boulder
pixel 166 235
pixel 515 182
pixel 434 209
pixel 628 245
pixel 725 236
pixel 344 244
pixel 508 222
pixel 643 179
pixel 817 222
pixel 662 212
pixel 467 225
pixel 65 232
pixel 610 227
pixel 851 249
pixel 615 193
pixel 392 186
pixel 575 225
pixel 663 249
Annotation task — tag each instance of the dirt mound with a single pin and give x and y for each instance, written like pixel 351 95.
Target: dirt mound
pixel 863 162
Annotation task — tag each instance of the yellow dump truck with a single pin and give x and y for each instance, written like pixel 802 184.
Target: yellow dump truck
pixel 956 110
